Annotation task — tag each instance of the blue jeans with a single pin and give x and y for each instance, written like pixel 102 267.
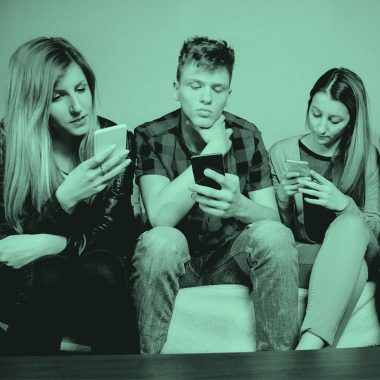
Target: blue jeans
pixel 263 256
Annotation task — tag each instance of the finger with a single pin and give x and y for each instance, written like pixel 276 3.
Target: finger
pixel 211 211
pixel 319 177
pixel 294 187
pixel 210 202
pixel 314 201
pixel 114 159
pixel 205 190
pixel 116 171
pixel 310 184
pixel 220 178
pixel 310 192
pixel 99 158
pixel 229 132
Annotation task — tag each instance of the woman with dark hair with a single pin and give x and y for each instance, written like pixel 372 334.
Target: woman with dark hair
pixel 67 229
pixel 333 210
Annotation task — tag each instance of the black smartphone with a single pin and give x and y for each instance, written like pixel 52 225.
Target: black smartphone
pixel 207 161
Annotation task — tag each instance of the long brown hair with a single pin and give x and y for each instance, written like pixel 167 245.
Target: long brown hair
pixel 349 162
pixel 30 168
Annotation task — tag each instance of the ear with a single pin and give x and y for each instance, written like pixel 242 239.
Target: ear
pixel 229 93
pixel 175 90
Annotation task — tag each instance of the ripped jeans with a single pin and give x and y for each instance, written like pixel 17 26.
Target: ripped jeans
pixel 263 257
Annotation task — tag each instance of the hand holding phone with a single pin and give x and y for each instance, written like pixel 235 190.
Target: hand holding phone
pixel 289 184
pixel 207 161
pixel 115 135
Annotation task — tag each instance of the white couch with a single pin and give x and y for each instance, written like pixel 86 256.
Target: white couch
pixel 220 318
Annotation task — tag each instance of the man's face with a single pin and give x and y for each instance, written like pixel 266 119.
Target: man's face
pixel 203 93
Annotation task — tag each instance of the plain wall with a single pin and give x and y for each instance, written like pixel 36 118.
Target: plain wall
pixel 281 47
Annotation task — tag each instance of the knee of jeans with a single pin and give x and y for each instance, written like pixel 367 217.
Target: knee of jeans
pixel 349 225
pixel 274 237
pixel 162 247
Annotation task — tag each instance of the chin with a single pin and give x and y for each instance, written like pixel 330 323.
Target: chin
pixel 203 123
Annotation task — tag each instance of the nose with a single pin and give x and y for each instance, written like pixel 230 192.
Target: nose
pixel 75 106
pixel 206 96
pixel 321 127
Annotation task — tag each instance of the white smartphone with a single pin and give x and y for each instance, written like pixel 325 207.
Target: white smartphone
pixel 301 167
pixel 117 134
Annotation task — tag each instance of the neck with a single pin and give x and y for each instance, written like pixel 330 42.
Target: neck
pixel 323 150
pixel 191 136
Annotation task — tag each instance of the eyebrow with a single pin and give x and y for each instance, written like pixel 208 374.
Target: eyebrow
pixel 83 81
pixel 212 84
pixel 334 115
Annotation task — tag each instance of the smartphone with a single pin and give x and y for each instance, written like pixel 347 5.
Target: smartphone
pixel 207 161
pixel 301 167
pixel 117 134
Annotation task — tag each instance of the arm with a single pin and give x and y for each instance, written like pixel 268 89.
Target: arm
pixel 326 194
pixel 88 223
pixel 285 201
pixel 371 210
pixel 229 202
pixel 166 201
pixel 19 250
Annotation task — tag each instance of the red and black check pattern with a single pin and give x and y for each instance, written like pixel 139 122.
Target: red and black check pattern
pixel 161 150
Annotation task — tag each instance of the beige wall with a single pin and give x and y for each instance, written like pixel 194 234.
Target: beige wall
pixel 281 47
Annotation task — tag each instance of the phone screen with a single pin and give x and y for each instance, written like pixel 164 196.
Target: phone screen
pixel 105 137
pixel 301 167
pixel 207 161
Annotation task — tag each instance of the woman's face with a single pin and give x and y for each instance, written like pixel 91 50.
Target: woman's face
pixel 327 119
pixel 71 107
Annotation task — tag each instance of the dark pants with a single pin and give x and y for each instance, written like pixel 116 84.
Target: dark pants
pixel 86 296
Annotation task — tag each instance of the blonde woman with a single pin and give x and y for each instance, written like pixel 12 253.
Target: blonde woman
pixel 333 211
pixel 66 218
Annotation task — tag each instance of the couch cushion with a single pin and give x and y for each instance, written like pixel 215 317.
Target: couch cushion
pixel 220 318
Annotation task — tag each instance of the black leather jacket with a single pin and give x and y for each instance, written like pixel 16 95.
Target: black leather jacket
pixel 106 223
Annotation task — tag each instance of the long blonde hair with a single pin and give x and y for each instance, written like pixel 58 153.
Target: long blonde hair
pixel 31 174
pixel 349 163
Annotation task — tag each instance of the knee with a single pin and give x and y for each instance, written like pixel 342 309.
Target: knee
pixel 275 239
pixel 349 225
pixel 161 248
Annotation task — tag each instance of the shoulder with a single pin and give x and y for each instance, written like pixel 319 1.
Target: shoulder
pixel 238 123
pixel 161 126
pixel 285 145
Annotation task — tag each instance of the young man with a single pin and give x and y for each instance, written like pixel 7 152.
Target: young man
pixel 203 236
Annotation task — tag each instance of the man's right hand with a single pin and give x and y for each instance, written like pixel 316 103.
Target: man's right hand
pixel 217 137
pixel 91 177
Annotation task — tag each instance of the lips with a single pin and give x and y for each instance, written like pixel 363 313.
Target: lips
pixel 322 137
pixel 204 112
pixel 79 120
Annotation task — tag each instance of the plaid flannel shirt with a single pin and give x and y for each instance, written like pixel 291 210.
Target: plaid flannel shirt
pixel 161 150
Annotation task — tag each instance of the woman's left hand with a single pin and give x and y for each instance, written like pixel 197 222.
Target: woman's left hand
pixel 327 194
pixel 19 250
pixel 224 203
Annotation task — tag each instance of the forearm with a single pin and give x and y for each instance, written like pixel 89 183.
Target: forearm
pixel 52 244
pixel 251 211
pixel 287 212
pixel 370 216
pixel 173 202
